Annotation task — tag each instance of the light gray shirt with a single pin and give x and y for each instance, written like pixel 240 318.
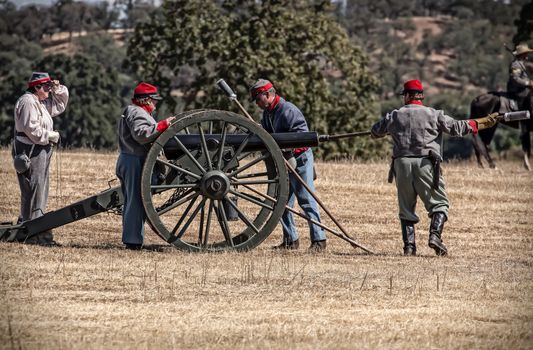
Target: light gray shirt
pixel 34 117
pixel 417 129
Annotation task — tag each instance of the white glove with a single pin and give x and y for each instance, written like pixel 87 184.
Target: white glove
pixel 53 136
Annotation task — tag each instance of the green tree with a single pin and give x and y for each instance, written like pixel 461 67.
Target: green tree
pixel 301 48
pixel 17 57
pixel 524 25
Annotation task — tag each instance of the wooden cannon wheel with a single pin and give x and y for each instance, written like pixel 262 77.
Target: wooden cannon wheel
pixel 205 188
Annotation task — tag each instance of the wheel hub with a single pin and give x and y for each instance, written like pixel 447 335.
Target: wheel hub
pixel 215 184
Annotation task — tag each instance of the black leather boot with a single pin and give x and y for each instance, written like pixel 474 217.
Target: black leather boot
pixel 435 232
pixel 408 236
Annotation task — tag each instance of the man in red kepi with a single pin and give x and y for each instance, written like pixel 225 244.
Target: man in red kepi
pixel 416 132
pixel 136 128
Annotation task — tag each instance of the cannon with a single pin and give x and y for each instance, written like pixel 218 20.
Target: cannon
pixel 194 173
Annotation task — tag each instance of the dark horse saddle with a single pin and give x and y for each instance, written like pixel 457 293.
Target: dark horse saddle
pixel 507 103
pixel 494 101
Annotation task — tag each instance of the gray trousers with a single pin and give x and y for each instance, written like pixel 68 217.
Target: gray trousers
pixel 34 183
pixel 414 177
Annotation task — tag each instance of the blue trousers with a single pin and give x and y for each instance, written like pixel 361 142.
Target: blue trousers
pixel 304 168
pixel 129 171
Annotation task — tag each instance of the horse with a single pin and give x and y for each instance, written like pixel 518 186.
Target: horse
pixel 498 101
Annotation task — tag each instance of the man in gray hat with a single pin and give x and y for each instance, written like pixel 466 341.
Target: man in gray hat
pixel 519 83
pixel 34 136
pixel 281 116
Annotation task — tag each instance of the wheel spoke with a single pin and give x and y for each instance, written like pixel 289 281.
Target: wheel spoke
pixel 266 196
pixel 239 150
pixel 191 218
pixel 170 165
pixel 253 182
pixel 172 237
pixel 242 215
pixel 189 154
pixel 244 155
pixel 249 164
pixel 221 147
pixel 252 199
pixel 247 176
pixel 201 226
pixel 167 187
pixel 189 193
pixel 223 221
pixel 208 223
pixel 204 147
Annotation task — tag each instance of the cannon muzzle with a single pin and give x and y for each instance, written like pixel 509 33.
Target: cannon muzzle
pixel 512 116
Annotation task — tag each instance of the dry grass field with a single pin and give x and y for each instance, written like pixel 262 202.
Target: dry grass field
pixel 93 294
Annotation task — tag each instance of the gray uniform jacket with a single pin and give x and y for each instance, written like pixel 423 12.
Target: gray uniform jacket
pixel 416 130
pixel 136 128
pixel 518 79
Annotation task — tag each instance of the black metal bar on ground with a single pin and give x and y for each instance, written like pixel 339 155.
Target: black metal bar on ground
pixel 99 203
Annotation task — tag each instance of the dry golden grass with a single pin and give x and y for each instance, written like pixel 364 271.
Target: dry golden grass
pixel 93 294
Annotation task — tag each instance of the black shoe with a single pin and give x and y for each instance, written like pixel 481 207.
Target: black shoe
pixel 317 246
pixel 133 246
pixel 435 232
pixel 408 236
pixel 288 245
pixel 409 250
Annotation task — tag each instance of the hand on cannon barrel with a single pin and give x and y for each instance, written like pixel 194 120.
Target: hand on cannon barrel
pixel 164 124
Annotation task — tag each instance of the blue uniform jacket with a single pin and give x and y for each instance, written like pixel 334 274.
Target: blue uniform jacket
pixel 285 117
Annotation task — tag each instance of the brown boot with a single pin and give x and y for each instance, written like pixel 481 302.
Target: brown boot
pixel 317 246
pixel 435 232
pixel 288 245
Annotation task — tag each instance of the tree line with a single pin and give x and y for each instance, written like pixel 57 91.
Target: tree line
pixel 341 62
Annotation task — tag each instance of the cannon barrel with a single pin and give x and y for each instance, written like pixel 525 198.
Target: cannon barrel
pixel 253 143
pixel 286 140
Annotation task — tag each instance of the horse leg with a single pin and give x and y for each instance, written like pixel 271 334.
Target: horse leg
pixel 492 164
pixel 477 150
pixel 484 137
pixel 525 140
